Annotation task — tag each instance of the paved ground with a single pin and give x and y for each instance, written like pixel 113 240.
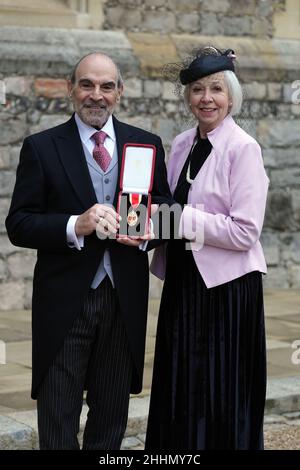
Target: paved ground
pixel 283 406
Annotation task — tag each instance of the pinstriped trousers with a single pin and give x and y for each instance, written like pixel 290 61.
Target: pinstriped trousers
pixel 95 353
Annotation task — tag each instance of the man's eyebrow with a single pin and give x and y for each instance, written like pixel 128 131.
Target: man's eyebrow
pixel 111 83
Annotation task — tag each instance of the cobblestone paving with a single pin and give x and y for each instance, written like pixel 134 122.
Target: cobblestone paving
pixel 282 432
pixel 134 442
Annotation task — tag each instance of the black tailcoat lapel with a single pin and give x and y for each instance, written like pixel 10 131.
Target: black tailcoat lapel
pixel 72 156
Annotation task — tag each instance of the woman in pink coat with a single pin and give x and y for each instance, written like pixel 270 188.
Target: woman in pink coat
pixel 209 379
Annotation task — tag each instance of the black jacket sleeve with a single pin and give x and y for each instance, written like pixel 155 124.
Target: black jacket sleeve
pixel 28 224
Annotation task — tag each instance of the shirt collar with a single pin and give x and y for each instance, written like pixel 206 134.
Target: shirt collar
pixel 86 131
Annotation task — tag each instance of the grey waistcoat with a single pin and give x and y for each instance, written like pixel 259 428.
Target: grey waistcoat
pixel 105 188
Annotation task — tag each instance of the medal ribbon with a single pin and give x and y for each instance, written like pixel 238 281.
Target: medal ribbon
pixel 135 199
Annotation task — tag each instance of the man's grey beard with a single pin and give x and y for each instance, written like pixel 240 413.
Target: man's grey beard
pixel 94 118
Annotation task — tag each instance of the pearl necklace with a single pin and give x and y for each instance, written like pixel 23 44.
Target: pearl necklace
pixel 188 174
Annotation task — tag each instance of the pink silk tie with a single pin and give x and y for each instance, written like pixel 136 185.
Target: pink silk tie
pixel 100 154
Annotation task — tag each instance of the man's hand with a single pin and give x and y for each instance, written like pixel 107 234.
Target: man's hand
pixel 136 241
pixel 100 217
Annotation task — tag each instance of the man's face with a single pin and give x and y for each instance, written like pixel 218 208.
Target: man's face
pixel 95 91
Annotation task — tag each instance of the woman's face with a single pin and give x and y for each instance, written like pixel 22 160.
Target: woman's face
pixel 209 101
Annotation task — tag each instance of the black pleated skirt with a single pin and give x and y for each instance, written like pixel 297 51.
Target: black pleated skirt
pixel 209 378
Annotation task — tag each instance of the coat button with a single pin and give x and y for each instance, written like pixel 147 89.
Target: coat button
pixel 107 198
pixel 106 180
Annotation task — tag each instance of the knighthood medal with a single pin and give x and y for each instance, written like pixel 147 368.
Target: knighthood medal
pixel 132 217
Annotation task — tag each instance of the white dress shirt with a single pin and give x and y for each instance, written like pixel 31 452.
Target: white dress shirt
pixel 86 132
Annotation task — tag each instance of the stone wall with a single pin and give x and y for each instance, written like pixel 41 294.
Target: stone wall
pixel 34 66
pixel 209 17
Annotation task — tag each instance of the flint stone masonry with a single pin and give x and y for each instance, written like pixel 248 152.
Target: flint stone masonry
pixel 21 265
pixel 296 204
pixel 51 88
pixel 4 158
pixel 226 17
pixel 276 133
pixel 47 121
pixel 255 91
pixel 13 128
pixel 271 248
pixel 274 91
pixel 277 278
pixel 7 179
pixel 18 86
pixel 53 52
pixel 295 248
pixel 152 89
pixel 279 214
pixel 295 109
pixel 294 274
pixel 281 157
pixel 128 18
pixel 37 62
pixel 288 177
pixel 2 269
pixel 11 294
pixel 218 6
pixel 4 206
pixel 133 88
pixel 188 22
